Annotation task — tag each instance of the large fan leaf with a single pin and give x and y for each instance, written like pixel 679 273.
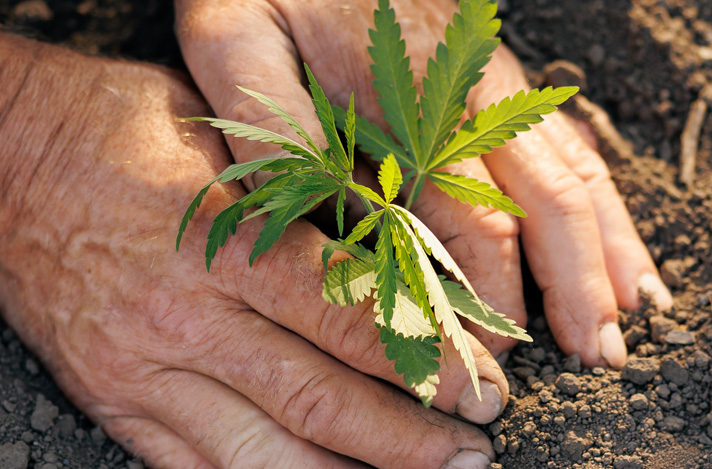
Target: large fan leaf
pixel 493 126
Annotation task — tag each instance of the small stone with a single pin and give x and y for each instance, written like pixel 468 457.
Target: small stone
pixel 50 456
pixel 573 446
pixel 14 455
pixel 66 425
pixel 672 424
pixel 573 363
pixel 9 406
pixel 673 371
pixel 569 409
pixel 80 434
pixel 628 462
pixel 584 411
pixel 639 401
pixel 523 372
pixel 500 444
pixel 679 338
pixel 43 416
pixel 598 371
pixel 702 360
pixel 537 354
pixel 529 428
pixel 28 437
pixel 49 465
pixel 672 272
pixel 496 427
pixel 97 436
pixel 568 383
pixel 32 367
pixel 640 370
pixel 705 440
pixel 663 391
pixel 633 335
pixel 545 396
pixel 660 326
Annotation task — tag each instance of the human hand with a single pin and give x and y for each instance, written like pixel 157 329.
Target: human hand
pixel 579 240
pixel 242 367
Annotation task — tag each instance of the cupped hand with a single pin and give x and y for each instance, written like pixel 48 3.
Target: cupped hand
pixel 242 367
pixel 579 241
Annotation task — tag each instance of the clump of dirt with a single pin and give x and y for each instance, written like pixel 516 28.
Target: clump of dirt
pixel 644 62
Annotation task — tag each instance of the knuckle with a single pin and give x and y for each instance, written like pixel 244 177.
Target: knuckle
pixel 564 192
pixel 318 409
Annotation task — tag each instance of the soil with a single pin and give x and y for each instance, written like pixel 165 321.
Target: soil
pixel 644 62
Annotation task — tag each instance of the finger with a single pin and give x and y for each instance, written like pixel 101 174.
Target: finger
pixel 157 445
pixel 628 261
pixel 249 46
pixel 227 428
pixel 345 333
pixel 311 395
pixel 561 234
pixel 483 242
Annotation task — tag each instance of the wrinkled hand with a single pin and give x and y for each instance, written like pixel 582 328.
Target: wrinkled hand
pixel 579 240
pixel 242 367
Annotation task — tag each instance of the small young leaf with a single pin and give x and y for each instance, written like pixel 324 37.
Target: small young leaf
pixel 416 360
pixel 364 227
pixel 474 192
pixel 350 131
pixel 373 140
pixel 386 272
pixel 393 78
pixel 492 126
pixel 367 193
pixel 275 108
pixel 224 225
pixel 190 211
pixel 481 313
pixel 349 282
pixel 238 171
pixel 326 117
pixel 390 178
pixel 469 41
pixel 340 210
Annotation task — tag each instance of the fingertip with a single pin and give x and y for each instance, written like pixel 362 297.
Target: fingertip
pixel 470 407
pixel 611 345
pixel 652 285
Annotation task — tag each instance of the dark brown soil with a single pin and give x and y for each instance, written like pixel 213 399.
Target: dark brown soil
pixel 645 62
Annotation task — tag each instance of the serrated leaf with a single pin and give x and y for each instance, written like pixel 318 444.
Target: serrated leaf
pixel 415 358
pixel 284 207
pixel 250 132
pixel 275 108
pixel 356 250
pixel 240 170
pixel 371 139
pixel 190 211
pixel 350 131
pixel 408 318
pixel 393 78
pixel 469 41
pixel 364 227
pixel 349 282
pixel 491 127
pixel 340 210
pixel 390 178
pixel 367 193
pixel 224 225
pixel 385 272
pixel 440 303
pixel 481 313
pixel 474 192
pixel 326 118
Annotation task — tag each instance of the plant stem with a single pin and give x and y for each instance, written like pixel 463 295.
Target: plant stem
pixel 412 196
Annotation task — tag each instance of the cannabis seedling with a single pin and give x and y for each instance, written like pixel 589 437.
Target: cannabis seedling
pixel 413 305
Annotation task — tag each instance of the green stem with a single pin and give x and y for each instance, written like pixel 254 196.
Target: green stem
pixel 417 181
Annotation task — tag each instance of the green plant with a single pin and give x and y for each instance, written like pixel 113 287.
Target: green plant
pixel 411 301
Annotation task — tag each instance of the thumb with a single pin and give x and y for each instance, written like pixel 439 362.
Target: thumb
pixel 250 46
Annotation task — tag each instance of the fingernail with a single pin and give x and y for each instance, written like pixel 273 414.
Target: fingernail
pixel 659 293
pixel 611 345
pixel 480 411
pixel 468 459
